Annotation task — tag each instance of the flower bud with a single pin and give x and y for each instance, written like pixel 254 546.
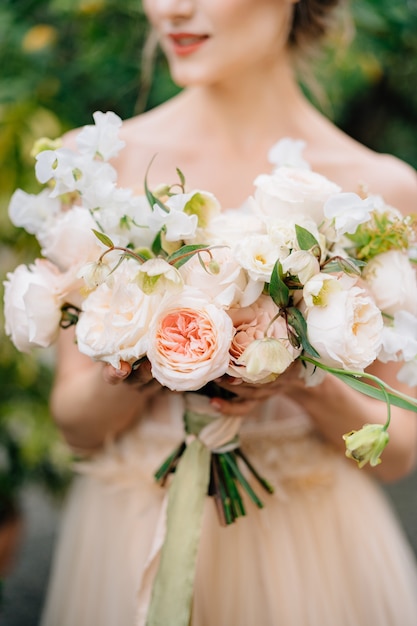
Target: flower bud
pixel 367 444
pixel 267 355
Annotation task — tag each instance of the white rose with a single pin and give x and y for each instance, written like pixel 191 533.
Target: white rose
pixel 69 241
pixel 347 330
pixel 32 305
pixel 231 226
pixel 392 282
pixel 189 341
pixel 293 191
pixel 258 255
pixel 114 322
pixel 229 285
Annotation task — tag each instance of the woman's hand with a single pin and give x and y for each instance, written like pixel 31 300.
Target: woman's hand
pixel 248 395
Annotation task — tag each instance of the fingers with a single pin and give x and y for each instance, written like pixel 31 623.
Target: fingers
pixel 234 408
pixel 139 377
pixel 114 376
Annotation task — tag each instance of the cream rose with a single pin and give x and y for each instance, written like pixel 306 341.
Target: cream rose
pixel 114 322
pixel 250 325
pixel 69 241
pixel 392 282
pixel 228 285
pixel 33 297
pixel 293 191
pixel 347 330
pixel 189 341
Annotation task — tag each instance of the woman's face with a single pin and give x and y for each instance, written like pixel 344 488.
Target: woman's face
pixel 207 41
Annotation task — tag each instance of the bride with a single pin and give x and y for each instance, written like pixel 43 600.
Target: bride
pixel 326 549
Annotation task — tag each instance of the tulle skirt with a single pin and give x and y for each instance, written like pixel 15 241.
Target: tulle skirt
pixel 326 550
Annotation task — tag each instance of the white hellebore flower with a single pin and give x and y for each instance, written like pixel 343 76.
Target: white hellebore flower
pixel 293 191
pixel 33 298
pixel 347 329
pixel 156 276
pixel 264 357
pixel 102 137
pixel 348 210
pixel 392 282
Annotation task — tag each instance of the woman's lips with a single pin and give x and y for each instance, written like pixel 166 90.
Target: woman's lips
pixel 186 43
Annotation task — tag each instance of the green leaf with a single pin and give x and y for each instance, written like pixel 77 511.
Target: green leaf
pixel 376 393
pixel 184 254
pixel 305 239
pixel 278 290
pixel 157 244
pixel 181 176
pixel 103 238
pixel 296 319
pixel 149 195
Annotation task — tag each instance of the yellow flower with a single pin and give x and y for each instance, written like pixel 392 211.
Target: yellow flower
pixel 39 37
pixel 367 444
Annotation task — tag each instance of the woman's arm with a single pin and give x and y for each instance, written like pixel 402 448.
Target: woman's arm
pixel 91 401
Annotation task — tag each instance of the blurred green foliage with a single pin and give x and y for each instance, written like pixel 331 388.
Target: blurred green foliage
pixel 60 60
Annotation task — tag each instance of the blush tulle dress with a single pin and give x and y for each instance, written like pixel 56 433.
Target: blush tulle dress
pixel 326 550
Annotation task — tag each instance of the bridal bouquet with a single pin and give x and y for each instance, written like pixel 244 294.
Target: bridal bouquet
pixel 302 272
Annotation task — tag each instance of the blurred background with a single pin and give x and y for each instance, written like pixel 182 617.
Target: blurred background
pixel 61 60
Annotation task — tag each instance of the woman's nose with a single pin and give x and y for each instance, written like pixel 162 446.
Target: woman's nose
pixel 173 9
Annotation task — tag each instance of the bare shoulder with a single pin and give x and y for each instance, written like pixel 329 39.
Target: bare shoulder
pixel 395 180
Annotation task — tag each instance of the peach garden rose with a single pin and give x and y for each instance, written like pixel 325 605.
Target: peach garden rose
pixel 189 341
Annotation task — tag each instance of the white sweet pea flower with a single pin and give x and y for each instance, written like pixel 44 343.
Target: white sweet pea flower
pixel 301 263
pixel 257 255
pixel 348 210
pixel 178 225
pixel 102 138
pixel 33 212
pixel 33 298
pixel 399 338
pixel 292 191
pixel 392 282
pixel 156 276
pixel 288 153
pixel 59 166
pixel 200 203
pixel 114 322
pixel 229 286
pixel 408 373
pixel 347 330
